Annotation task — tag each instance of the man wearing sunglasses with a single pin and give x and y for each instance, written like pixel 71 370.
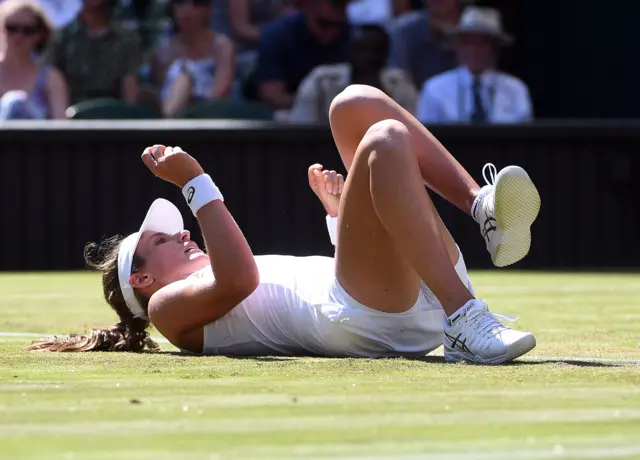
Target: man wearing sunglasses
pixel 98 57
pixel 293 45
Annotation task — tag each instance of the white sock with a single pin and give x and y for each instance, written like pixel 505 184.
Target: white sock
pixel 484 191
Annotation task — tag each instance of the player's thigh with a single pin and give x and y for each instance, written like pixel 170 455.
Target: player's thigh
pixel 368 266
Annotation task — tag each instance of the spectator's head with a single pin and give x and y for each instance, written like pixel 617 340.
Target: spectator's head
pixel 25 28
pixel 190 14
pixel 368 48
pixel 478 38
pixel 326 18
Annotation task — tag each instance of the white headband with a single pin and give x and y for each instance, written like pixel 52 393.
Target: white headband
pixel 162 216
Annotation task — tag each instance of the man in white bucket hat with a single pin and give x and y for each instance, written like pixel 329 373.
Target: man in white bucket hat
pixel 475 92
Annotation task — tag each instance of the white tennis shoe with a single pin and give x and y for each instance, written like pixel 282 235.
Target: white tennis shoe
pixel 505 209
pixel 474 334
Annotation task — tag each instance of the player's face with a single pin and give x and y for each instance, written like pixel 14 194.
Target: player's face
pixel 167 258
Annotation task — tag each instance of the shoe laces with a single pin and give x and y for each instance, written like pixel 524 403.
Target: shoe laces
pixel 488 322
pixel 492 171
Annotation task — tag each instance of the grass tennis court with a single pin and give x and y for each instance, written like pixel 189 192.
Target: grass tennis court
pixel 577 396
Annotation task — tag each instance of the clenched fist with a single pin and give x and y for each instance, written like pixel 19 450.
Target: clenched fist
pixel 171 164
pixel 327 185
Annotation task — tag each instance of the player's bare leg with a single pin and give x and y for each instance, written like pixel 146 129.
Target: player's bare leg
pixel 389 238
pixel 505 209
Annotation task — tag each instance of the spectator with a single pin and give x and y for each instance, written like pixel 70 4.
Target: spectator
pixel 419 43
pixel 380 12
pixel 369 46
pixel 476 92
pixel 29 89
pixel 295 44
pixel 98 58
pixel 197 63
pixel 242 20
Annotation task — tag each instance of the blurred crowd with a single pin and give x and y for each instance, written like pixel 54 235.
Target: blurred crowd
pixel 253 59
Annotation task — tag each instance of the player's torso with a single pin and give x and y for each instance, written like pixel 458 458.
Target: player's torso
pixel 275 318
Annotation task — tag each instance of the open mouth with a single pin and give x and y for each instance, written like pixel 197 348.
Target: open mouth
pixel 192 249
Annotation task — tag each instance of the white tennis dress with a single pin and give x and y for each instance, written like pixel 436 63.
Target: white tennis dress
pixel 300 309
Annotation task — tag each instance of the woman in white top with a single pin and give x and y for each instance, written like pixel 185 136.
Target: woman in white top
pixel 197 63
pixel 365 302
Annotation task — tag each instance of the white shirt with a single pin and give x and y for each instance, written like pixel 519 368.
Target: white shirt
pixel 448 98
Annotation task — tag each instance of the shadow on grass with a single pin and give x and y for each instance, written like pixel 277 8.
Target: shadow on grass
pixel 425 359
pixel 569 362
pixel 529 362
pixel 251 358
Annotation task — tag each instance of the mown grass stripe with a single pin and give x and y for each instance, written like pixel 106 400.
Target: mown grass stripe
pixel 315 422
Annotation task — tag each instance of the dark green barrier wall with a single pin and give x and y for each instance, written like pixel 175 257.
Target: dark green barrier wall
pixel 66 184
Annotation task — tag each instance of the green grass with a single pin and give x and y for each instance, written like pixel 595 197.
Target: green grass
pixel 164 405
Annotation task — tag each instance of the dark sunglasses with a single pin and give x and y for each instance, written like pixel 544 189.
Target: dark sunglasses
pixel 193 2
pixel 21 29
pixel 329 24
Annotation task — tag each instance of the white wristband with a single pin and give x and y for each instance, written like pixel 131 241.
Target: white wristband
pixel 332 226
pixel 199 191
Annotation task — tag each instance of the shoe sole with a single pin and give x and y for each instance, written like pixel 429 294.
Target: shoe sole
pixel 517 204
pixel 517 349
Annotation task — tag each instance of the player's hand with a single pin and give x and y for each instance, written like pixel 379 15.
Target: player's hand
pixel 327 185
pixel 171 164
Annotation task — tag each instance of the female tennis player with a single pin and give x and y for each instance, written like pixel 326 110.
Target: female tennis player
pixel 365 302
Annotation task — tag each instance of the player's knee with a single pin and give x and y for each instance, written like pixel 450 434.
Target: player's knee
pixel 354 98
pixel 389 135
pixel 359 93
pixel 387 139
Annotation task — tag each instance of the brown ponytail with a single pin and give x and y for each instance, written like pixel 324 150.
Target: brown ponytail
pixel 129 334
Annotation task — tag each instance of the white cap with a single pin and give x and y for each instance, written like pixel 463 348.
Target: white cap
pixel 162 216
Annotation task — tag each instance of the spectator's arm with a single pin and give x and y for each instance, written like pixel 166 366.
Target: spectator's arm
pixel 239 20
pixel 157 68
pixel 130 88
pixel 274 94
pixel 271 64
pixel 178 94
pixel 225 68
pixel 132 55
pixel 305 106
pixel 428 110
pixel 57 93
